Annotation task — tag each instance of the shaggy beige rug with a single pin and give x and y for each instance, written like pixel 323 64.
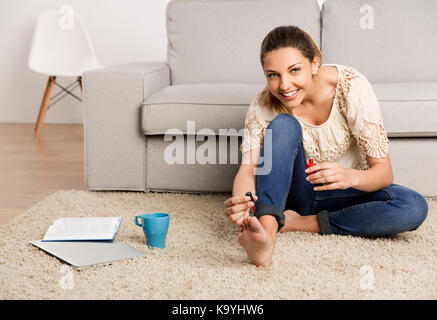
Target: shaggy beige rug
pixel 203 259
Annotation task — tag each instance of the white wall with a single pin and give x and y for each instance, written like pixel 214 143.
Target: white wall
pixel 121 31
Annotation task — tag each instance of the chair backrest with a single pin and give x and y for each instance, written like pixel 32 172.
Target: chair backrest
pixel 61 47
pixel 220 40
pixel 388 41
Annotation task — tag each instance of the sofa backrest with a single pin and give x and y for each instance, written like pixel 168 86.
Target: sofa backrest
pixel 220 40
pixel 386 40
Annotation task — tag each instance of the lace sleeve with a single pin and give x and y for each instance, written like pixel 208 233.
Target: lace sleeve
pixel 363 115
pixel 253 131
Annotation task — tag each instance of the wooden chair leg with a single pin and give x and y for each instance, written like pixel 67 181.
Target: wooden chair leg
pixel 79 79
pixel 44 106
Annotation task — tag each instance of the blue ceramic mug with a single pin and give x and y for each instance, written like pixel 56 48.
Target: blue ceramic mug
pixel 155 227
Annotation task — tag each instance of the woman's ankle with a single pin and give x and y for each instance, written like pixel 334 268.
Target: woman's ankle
pixel 290 221
pixel 296 222
pixel 270 224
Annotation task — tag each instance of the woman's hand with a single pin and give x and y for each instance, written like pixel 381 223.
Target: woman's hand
pixel 332 173
pixel 237 208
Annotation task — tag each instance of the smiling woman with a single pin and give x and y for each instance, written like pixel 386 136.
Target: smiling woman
pixel 327 112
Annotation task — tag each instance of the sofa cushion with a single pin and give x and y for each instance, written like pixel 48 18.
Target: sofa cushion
pixel 388 41
pixel 220 41
pixel 211 105
pixel 408 109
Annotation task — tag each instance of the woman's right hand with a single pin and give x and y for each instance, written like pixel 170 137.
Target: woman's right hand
pixel 237 208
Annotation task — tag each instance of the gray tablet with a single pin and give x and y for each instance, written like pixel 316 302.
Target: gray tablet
pixel 87 253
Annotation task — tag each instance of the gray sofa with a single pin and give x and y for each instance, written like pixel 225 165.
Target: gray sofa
pixel 213 72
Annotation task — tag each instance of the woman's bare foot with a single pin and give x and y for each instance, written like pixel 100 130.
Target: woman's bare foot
pixel 257 242
pixel 296 222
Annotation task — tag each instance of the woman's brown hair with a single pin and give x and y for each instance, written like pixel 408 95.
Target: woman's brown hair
pixel 284 37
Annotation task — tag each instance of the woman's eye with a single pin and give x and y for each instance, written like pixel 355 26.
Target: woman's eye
pixel 292 71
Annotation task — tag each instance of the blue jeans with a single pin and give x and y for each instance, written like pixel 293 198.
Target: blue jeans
pixel 349 211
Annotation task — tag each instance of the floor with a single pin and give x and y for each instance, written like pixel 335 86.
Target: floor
pixel 30 171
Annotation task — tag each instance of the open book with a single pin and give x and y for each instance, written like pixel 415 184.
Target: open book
pixel 70 229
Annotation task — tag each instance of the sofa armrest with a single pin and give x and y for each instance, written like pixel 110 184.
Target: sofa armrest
pixel 113 139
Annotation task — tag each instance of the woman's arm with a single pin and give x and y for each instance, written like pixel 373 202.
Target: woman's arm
pixel 379 176
pixel 245 180
pixel 237 207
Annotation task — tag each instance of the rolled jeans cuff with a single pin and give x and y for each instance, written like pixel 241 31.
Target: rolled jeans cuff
pixel 269 209
pixel 322 218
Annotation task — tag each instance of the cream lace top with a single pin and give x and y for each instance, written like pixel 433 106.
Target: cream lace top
pixel 353 130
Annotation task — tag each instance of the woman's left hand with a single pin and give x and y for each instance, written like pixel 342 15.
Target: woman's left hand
pixel 332 173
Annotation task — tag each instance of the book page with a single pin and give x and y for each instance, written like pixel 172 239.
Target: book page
pixel 83 228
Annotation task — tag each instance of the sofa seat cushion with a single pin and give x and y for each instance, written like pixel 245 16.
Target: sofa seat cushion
pixel 408 109
pixel 211 105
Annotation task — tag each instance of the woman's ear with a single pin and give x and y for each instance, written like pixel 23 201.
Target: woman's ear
pixel 315 65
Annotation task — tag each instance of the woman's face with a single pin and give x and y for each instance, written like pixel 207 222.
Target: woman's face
pixel 289 75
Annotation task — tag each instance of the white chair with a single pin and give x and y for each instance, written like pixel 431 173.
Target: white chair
pixel 60 49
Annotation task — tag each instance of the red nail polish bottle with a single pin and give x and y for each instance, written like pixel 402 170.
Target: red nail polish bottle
pixel 249 194
pixel 308 165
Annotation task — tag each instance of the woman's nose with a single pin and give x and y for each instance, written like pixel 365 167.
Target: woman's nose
pixel 285 83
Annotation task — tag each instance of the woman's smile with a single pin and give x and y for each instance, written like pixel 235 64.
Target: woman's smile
pixel 290 95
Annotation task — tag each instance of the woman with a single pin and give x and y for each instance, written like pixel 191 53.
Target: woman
pixel 325 112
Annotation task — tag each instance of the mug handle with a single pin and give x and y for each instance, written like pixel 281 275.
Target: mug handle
pixel 136 221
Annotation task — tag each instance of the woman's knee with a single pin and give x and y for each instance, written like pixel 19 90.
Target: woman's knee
pixel 419 210
pixel 286 125
pixel 412 204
